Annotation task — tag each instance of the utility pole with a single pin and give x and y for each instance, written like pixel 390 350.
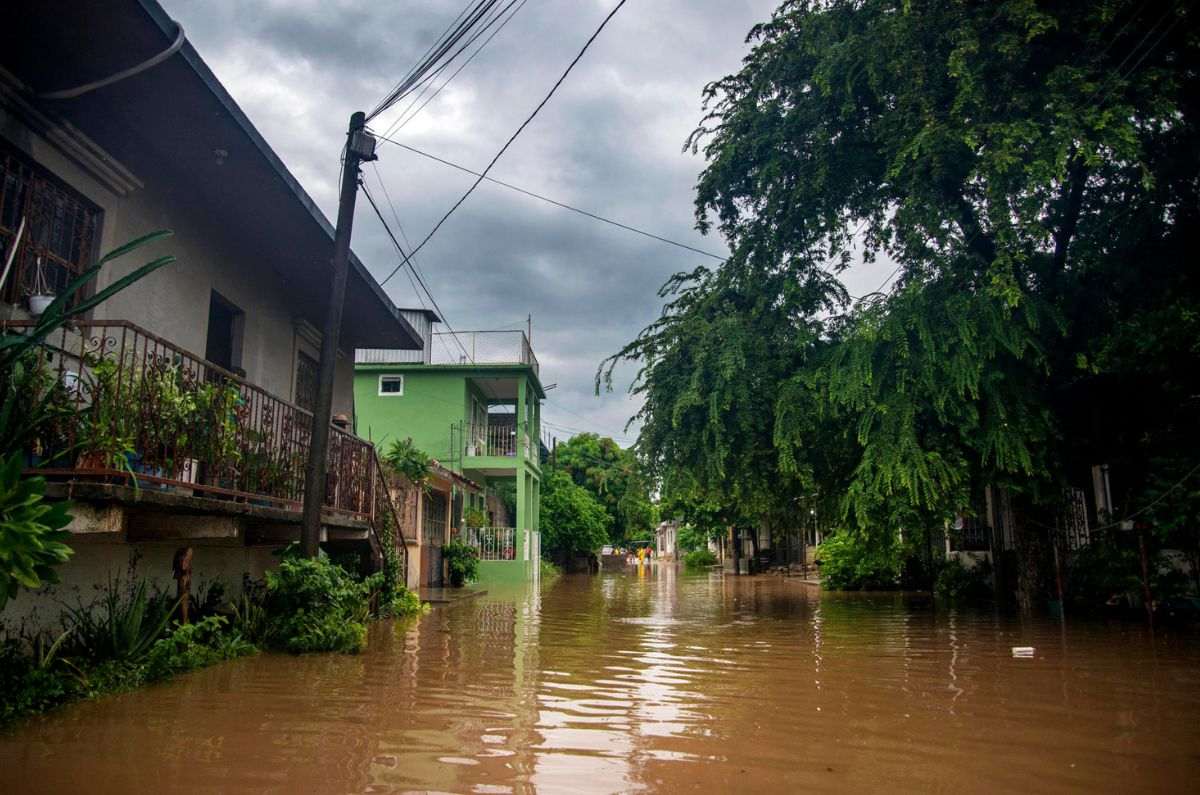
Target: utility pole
pixel 360 146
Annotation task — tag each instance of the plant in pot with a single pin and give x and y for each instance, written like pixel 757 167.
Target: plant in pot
pixel 475 517
pixel 41 296
pixel 107 434
pixel 462 563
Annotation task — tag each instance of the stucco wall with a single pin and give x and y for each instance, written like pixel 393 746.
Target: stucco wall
pixel 431 402
pixel 174 302
pixel 95 562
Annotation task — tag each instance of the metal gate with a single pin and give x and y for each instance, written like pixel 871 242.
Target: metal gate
pixel 434 537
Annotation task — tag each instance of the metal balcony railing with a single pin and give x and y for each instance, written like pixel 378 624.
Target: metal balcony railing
pixel 492 543
pixel 461 347
pixel 492 440
pixel 134 408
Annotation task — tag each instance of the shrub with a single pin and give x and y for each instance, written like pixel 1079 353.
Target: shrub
pixel 315 605
pixel 123 624
pixel 699 559
pixel 956 582
pixel 192 646
pixel 31 531
pixel 548 570
pixel 462 561
pixel 31 685
pixel 850 562
pixel 407 603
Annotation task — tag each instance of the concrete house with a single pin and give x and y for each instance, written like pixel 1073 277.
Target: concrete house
pixel 471 400
pixel 231 330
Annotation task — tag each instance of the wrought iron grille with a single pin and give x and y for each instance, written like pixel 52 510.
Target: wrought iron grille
pixel 61 227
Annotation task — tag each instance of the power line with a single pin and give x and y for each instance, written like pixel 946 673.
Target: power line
pixel 512 138
pixel 425 287
pixel 548 200
pixel 415 268
pixel 404 118
pixel 463 25
pixel 426 81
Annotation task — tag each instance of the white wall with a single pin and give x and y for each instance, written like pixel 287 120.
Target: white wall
pixel 173 303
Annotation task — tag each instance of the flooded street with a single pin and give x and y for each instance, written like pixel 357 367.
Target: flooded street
pixel 662 682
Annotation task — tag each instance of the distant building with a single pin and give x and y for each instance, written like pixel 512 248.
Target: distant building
pixel 666 540
pixel 472 400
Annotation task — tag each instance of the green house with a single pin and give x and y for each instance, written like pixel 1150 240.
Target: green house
pixel 472 401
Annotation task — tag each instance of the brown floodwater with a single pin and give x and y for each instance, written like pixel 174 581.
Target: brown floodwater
pixel 659 682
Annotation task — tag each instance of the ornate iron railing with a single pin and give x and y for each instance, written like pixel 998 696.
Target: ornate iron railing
pixel 137 409
pixel 492 543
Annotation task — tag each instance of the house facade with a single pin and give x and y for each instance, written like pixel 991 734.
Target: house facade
pixel 472 401
pixel 191 391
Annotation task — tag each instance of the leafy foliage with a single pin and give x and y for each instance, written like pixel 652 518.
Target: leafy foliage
pixel 573 522
pixel 615 479
pixel 1028 169
pixel 406 459
pixel 316 605
pixel 851 562
pixel 462 562
pixel 32 538
pixel 699 559
pixel 192 646
pixel 123 624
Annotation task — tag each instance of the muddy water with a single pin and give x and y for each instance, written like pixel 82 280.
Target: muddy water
pixel 660 682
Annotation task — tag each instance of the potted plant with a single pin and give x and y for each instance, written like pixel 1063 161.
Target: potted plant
pixel 462 563
pixel 42 296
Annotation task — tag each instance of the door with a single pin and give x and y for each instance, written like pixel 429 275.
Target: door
pixel 433 539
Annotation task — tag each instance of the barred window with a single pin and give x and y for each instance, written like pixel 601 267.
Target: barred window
pixel 61 227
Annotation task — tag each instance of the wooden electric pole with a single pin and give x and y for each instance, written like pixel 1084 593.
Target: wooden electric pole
pixel 360 146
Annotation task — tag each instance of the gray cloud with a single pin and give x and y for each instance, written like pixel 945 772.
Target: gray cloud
pixel 610 141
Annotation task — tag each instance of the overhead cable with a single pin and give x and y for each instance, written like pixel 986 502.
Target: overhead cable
pixel 512 138
pixel 421 281
pixel 555 202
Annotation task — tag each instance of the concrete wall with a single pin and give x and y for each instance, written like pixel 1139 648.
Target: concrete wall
pixel 173 303
pixel 96 561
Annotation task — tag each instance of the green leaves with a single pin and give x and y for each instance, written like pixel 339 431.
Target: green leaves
pixel 32 538
pixel 572 521
pixel 1035 191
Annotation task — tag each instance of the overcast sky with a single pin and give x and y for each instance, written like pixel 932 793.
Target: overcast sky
pixel 610 141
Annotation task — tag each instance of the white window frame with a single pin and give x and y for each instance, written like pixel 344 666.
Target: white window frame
pixel 392 379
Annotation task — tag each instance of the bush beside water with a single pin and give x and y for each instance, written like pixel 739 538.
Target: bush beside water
pixel 127 637
pixel 699 559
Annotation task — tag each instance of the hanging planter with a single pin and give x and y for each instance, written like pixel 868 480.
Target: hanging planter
pixel 42 296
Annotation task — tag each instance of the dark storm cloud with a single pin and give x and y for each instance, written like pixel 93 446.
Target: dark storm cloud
pixel 610 141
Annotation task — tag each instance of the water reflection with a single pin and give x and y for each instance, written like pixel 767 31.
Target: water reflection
pixel 656 681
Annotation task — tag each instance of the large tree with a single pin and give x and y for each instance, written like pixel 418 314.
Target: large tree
pixel 612 475
pixel 572 521
pixel 1031 169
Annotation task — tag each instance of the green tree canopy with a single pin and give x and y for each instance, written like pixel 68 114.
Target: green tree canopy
pixel 613 476
pixel 1030 169
pixel 572 521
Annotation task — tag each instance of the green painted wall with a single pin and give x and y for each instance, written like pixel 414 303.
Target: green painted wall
pixel 436 397
pixel 430 404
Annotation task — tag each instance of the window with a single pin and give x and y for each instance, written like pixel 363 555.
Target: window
pixel 390 385
pixel 61 227
pixel 307 376
pixel 224 344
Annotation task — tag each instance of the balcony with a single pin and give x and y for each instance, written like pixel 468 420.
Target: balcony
pixel 461 347
pixel 492 543
pixel 135 411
